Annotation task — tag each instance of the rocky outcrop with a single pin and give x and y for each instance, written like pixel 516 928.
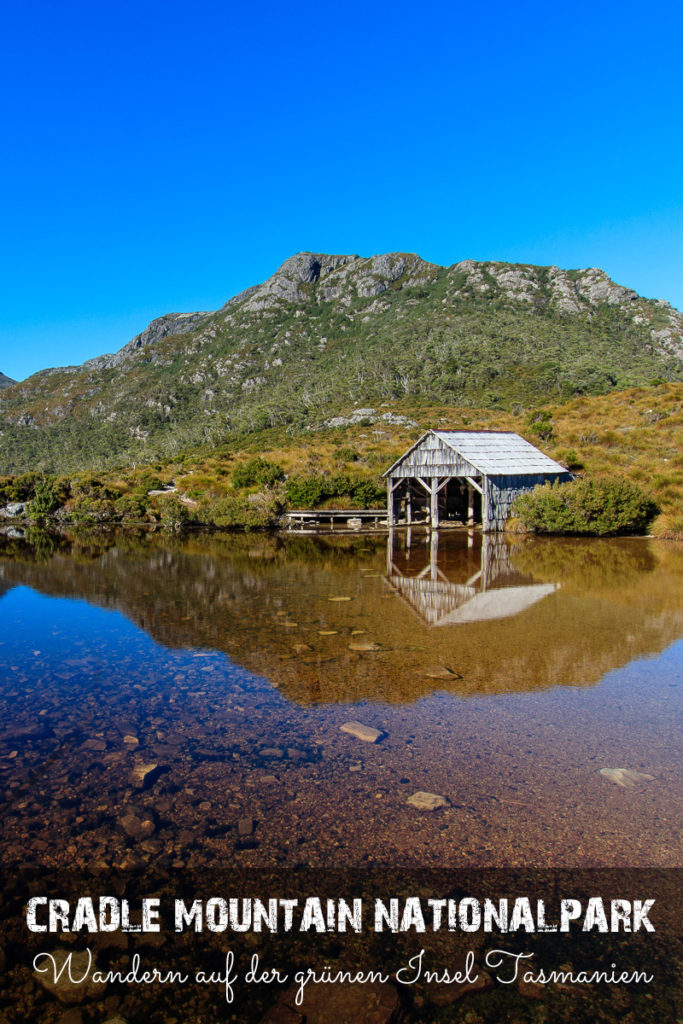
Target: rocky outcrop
pixel 329 333
pixel 309 276
pixel 163 327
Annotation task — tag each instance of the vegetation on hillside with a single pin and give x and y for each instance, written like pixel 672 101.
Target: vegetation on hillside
pixel 634 435
pixel 380 332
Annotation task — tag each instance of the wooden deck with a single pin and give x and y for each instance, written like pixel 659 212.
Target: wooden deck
pixel 341 518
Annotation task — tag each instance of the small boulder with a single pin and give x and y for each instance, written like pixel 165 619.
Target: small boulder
pixel 627 778
pixel 427 801
pixel 136 828
pixel 361 732
pixel 440 672
pixel 143 775
pixel 80 967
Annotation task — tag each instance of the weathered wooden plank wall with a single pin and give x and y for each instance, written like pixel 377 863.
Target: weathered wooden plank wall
pixel 434 458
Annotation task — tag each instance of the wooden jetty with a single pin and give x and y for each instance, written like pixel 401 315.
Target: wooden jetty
pixel 312 521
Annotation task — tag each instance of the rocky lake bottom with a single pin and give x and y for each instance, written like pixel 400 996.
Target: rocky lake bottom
pixel 351 703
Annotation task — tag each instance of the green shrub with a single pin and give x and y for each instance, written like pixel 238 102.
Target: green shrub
pixel 346 454
pixel 313 490
pixel 366 493
pixel 236 512
pixel 569 457
pixel 592 507
pixel 19 488
pixel 541 424
pixel 86 509
pixel 149 483
pixel 87 485
pixel 257 472
pixel 174 514
pixel 308 491
pixel 45 501
pixel 130 507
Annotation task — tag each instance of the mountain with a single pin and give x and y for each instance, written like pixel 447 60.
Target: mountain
pixel 5 381
pixel 328 333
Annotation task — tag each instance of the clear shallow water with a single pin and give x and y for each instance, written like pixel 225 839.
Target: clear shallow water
pixel 502 677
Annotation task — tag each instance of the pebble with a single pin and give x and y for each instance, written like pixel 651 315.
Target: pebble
pixel 440 672
pixel 363 645
pixel 272 752
pixel 427 801
pixel 361 732
pixel 245 826
pixel 339 599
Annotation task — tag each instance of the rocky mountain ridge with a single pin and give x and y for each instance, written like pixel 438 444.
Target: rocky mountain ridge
pixel 5 381
pixel 330 332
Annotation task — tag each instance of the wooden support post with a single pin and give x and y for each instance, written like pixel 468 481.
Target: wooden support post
pixel 434 504
pixel 409 505
pixel 486 525
pixel 390 501
pixel 470 504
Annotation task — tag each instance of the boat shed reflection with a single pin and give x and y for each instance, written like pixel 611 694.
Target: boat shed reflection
pixel 469 584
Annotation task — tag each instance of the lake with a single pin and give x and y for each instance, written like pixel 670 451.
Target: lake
pixel 175 717
pixel 166 699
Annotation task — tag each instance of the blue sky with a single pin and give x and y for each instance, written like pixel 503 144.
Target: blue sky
pixel 163 156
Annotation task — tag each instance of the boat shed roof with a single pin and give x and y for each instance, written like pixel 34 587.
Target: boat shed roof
pixel 492 452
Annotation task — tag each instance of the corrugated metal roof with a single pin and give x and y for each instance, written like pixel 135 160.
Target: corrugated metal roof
pixel 499 453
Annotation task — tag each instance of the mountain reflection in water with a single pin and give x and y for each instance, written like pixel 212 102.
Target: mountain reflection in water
pixel 352 618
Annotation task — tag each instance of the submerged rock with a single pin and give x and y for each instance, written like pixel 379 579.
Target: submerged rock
pixel 363 646
pixel 361 732
pixel 427 801
pixel 67 991
pixel 440 672
pixel 137 828
pixel 625 777
pixel 143 775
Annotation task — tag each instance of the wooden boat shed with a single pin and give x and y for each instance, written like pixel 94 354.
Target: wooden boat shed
pixel 470 476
